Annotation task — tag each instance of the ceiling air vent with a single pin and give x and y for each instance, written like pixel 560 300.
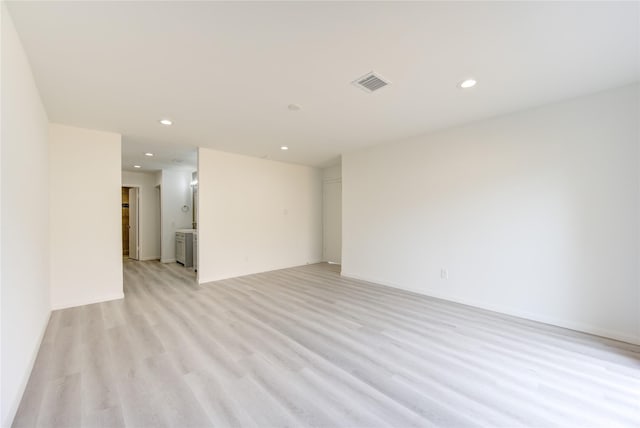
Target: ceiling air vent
pixel 371 82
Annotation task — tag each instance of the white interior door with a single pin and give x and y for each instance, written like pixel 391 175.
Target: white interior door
pixel 332 221
pixel 133 223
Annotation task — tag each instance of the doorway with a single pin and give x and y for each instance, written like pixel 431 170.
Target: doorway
pixel 125 222
pixel 130 221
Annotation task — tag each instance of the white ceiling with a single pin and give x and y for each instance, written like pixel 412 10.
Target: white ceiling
pixel 225 72
pixel 165 156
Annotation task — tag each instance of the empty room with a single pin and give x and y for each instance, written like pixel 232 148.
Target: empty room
pixel 320 214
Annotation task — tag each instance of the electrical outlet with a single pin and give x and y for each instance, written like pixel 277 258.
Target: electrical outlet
pixel 444 273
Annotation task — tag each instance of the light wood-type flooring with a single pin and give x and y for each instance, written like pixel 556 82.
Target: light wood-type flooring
pixel 303 347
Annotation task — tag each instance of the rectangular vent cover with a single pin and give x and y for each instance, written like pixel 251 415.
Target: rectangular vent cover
pixel 371 82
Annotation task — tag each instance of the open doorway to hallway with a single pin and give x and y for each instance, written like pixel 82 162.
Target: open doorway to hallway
pixel 130 222
pixel 125 222
pixel 166 178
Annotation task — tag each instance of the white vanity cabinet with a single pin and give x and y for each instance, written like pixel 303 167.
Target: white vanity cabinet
pixel 184 247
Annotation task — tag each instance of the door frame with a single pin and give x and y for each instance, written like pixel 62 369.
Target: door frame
pixel 139 187
pixel 137 222
pixel 125 243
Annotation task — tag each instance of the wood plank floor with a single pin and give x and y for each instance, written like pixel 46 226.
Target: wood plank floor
pixel 303 347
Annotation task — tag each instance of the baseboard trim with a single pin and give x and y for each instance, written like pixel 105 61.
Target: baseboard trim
pixel 167 260
pixel 584 328
pixel 146 259
pixel 74 304
pixel 13 408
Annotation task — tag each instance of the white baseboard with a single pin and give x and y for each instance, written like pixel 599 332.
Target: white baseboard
pixel 585 328
pixel 146 259
pixel 167 260
pixel 101 299
pixel 13 408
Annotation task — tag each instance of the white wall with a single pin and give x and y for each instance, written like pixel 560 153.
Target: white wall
pixel 332 214
pixel 256 215
pixel 176 192
pixel 535 214
pixel 24 219
pixel 149 212
pixel 86 216
pixel 332 173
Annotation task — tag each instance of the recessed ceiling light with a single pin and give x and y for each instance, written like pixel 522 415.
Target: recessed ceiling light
pixel 284 148
pixel 166 122
pixel 137 166
pixel 293 107
pixel 148 154
pixel 466 84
